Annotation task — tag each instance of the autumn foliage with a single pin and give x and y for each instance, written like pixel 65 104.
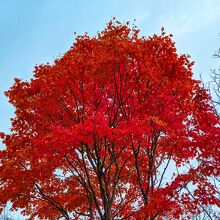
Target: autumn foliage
pixel 116 128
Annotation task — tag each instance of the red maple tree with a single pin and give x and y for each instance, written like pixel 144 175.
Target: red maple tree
pixel 117 128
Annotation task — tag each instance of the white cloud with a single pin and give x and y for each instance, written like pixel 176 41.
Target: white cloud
pixel 192 15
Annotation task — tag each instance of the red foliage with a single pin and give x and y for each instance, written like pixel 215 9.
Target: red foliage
pixel 94 133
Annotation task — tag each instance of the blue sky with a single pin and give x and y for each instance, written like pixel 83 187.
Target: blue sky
pixel 34 32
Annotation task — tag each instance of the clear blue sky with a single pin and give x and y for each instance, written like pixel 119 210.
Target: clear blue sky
pixel 34 32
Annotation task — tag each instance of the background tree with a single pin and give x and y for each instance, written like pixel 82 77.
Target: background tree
pixel 117 128
pixel 212 212
pixel 215 84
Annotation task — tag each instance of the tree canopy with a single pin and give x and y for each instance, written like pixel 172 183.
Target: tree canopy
pixel 116 128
